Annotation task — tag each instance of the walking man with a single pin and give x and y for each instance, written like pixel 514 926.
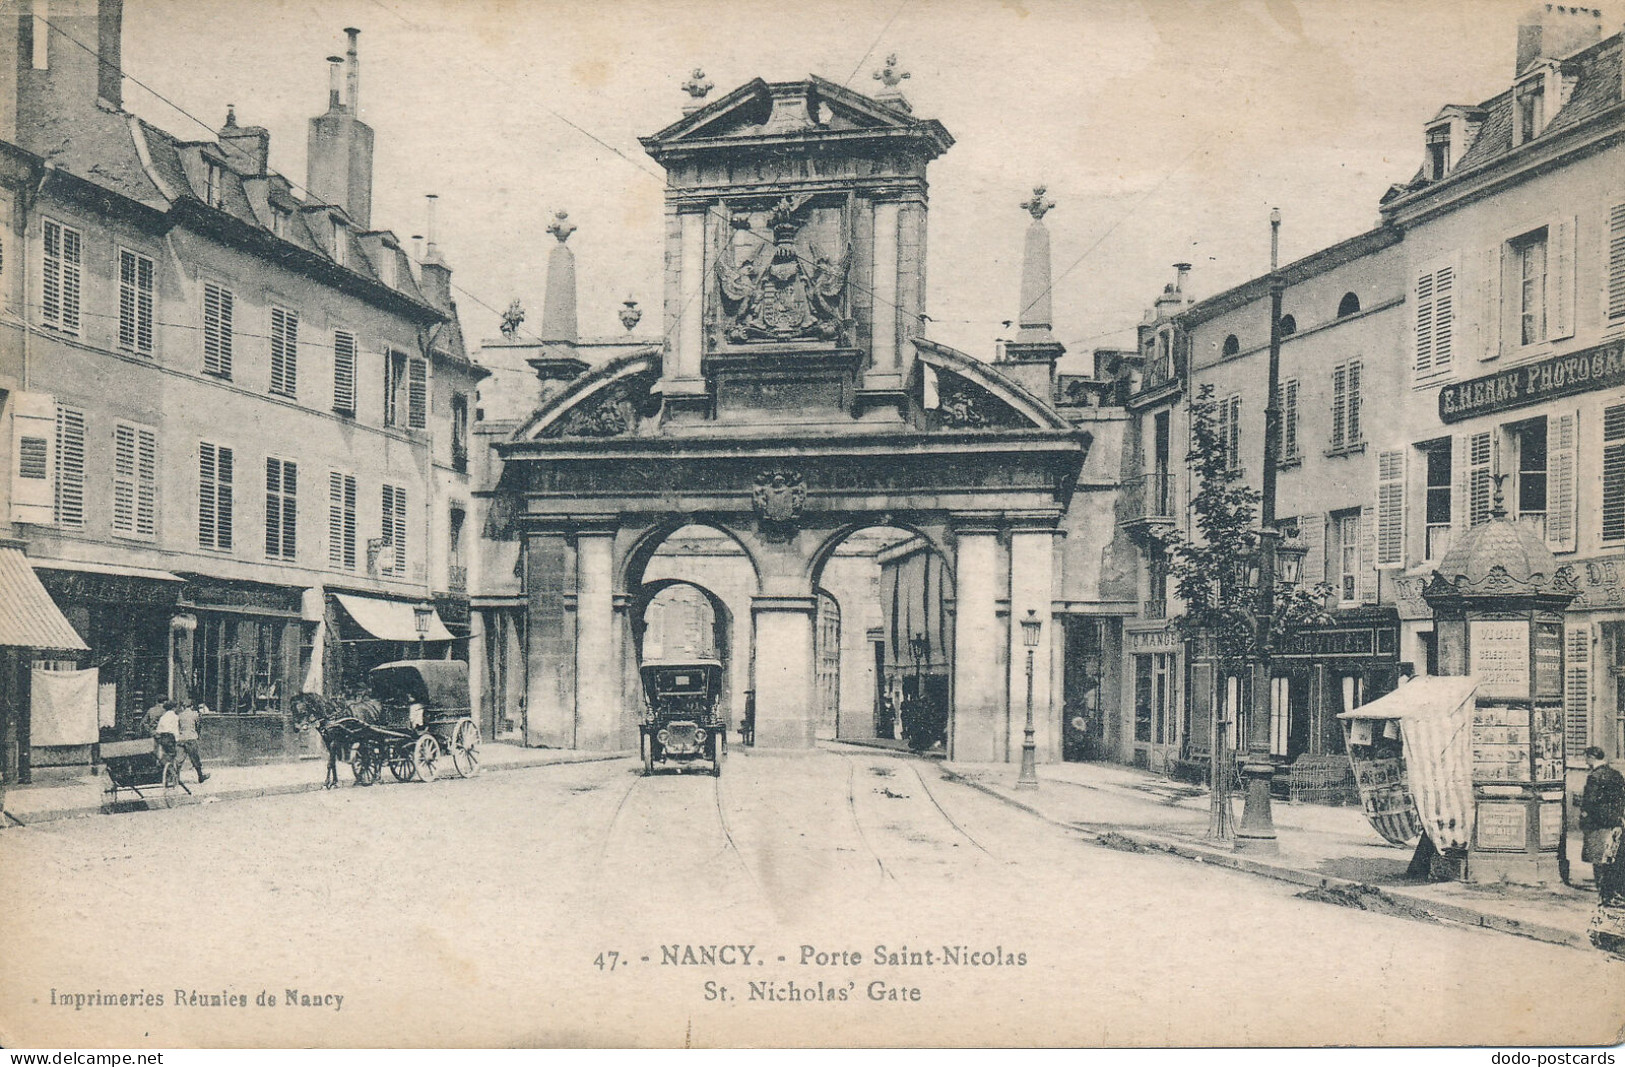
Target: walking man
pixel 186 734
pixel 1602 816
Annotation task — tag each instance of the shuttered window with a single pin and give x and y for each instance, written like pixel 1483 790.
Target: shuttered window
pixel 218 308
pixel 1562 518
pixel 214 502
pixel 1228 427
pixel 394 529
pixel 344 372
pixel 1435 322
pixel 60 278
pixel 135 285
pixel 70 468
pixel 1613 473
pixel 135 481
pixel 394 372
pixel 1346 430
pixel 281 509
pixel 341 521
pixel 1614 295
pixel 1577 688
pixel 1480 486
pixel 417 394
pixel 1289 421
pixel 1391 508
pixel 284 352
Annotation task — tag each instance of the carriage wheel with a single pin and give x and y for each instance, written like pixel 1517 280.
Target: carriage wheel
pixel 171 783
pixel 363 766
pixel 425 754
pixel 402 767
pixel 465 748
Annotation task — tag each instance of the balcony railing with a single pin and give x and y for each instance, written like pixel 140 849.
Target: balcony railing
pixel 1149 498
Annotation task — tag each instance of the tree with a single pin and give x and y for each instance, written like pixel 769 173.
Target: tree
pixel 1215 571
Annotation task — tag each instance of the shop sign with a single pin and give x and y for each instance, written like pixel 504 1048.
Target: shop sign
pixel 1499 657
pixel 1323 644
pixel 1502 825
pixel 1597 368
pixel 1152 640
pixel 1602 583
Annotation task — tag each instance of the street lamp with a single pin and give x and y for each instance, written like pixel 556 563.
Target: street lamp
pixel 422 616
pixel 1257 830
pixel 1030 629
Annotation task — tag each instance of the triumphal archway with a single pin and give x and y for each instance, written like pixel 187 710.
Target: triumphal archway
pixel 794 400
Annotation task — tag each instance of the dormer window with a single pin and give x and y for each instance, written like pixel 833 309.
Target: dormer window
pixel 214 181
pixel 386 267
pixel 1530 108
pixel 1438 143
pixel 280 218
pixel 341 242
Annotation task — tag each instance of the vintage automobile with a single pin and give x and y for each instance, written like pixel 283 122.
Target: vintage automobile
pixel 680 723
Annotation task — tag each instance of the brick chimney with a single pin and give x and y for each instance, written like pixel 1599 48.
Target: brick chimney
pixel 339 155
pixel 1552 31
pixel 247 147
pixel 434 275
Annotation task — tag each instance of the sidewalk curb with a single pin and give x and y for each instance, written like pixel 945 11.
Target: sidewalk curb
pixel 1453 913
pixel 285 789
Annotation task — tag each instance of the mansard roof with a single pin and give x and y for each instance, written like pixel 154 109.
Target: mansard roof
pixel 772 114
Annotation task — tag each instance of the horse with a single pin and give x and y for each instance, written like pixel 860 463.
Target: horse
pixel 341 725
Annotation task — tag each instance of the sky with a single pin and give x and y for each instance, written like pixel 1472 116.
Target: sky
pixel 1164 130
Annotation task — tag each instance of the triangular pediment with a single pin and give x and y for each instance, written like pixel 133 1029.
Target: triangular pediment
pixel 760 110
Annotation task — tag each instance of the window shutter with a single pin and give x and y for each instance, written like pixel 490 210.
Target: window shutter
pixel 1368 555
pixel 223 501
pixel 284 352
pixel 417 391
pixel 126 300
pixel 33 437
pixel 51 273
pixel 1489 303
pixel 1289 419
pixel 273 508
pixel 341 521
pixel 400 530
pixel 146 485
pixel 134 302
pixel 124 460
pixel 1424 323
pixel 1444 317
pixel 72 247
pixel 1312 528
pixel 1340 395
pixel 1233 444
pixel 1561 265
pixel 344 372
pixel 1562 516
pixel 1577 688
pixel 1614 292
pixel 1354 430
pixel 1391 508
pixel 1613 473
pixel 1480 486
pixel 70 468
pixel 214 502
pixel 205 495
pixel 217 313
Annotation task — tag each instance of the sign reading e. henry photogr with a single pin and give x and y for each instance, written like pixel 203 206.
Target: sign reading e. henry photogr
pixel 1578 372
pixel 1499 657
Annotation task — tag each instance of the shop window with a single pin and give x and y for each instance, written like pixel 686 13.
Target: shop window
pixel 237 663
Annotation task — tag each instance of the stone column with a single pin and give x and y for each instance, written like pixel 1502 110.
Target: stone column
pixel 784 670
pixel 979 690
pixel 598 672
pixel 550 657
pixel 884 372
pixel 691 294
pixel 1032 565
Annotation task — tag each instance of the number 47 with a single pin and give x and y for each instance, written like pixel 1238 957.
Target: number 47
pixel 607 961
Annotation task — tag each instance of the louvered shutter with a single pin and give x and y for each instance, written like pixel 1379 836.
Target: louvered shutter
pixel 126 300
pixel 33 435
pixel 344 372
pixel 1614 291
pixel 1423 327
pixel 1577 689
pixel 1312 528
pixel 146 482
pixel 1391 469
pixel 417 394
pixel 1480 486
pixel 70 468
pixel 223 506
pixel 1561 264
pixel 206 472
pixel 284 352
pixel 1353 428
pixel 400 530
pixel 1489 303
pixel 1368 555
pixel 1613 473
pixel 1289 419
pixel 341 521
pixel 124 476
pixel 1444 317
pixel 1340 393
pixel 72 249
pixel 1562 512
pixel 217 331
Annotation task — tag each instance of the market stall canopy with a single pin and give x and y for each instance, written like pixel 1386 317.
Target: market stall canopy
pixel 28 616
pixel 1436 725
pixel 391 620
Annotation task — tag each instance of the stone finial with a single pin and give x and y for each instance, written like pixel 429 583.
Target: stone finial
pixel 561 226
pixel 1038 206
pixel 631 314
pixel 512 318
pixel 697 85
pixel 891 75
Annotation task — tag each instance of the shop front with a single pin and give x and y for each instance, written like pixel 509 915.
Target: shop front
pixel 1158 724
pixel 365 631
pixel 33 631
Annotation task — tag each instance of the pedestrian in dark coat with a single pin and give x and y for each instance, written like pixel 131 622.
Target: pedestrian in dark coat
pixel 1602 821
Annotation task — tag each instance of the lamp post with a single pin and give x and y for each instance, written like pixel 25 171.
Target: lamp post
pixel 1257 830
pixel 1031 626
pixel 422 614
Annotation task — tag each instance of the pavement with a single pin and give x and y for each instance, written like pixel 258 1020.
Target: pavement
pixel 87 793
pixel 1333 851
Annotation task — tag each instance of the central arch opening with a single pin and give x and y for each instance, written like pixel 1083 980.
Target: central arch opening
pixel 883 643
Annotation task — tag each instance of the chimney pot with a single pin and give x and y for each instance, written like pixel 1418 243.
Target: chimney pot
pixel 352 77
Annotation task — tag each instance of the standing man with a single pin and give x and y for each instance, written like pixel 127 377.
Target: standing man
pixel 186 734
pixel 1602 816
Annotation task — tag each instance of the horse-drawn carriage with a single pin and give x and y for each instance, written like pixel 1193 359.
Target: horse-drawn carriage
pixel 681 724
pixel 418 713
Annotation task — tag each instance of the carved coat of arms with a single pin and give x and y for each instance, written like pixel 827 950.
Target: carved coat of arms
pixel 779 497
pixel 785 294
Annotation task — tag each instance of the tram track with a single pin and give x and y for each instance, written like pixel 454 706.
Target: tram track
pixel 966 834
pixel 852 808
pixel 728 837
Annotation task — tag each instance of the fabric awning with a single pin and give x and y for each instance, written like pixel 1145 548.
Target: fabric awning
pixel 1436 728
pixel 1417 697
pixel 391 620
pixel 85 567
pixel 28 616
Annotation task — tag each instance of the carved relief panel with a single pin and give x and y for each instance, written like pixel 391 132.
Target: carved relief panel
pixel 782 272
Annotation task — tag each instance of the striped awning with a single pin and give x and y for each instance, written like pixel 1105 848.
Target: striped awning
pixel 29 618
